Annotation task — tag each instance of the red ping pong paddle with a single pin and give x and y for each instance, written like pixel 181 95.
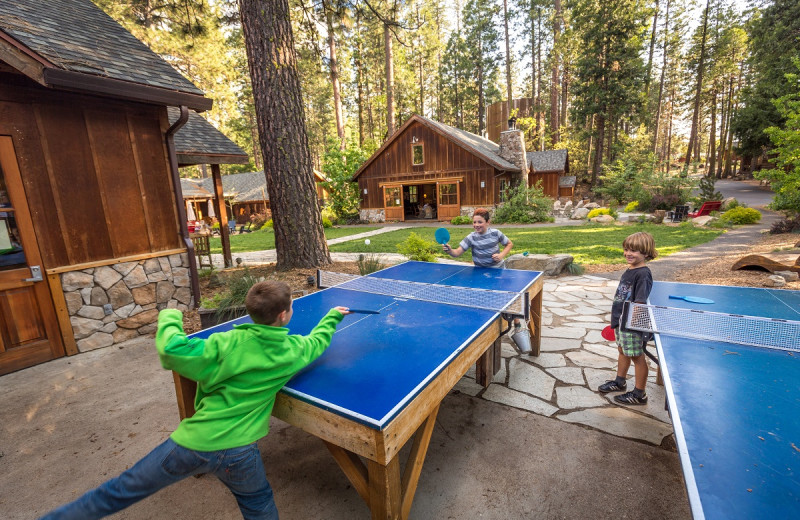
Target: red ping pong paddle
pixel 608 333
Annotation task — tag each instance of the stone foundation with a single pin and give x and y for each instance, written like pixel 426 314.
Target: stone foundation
pixel 372 215
pixel 114 303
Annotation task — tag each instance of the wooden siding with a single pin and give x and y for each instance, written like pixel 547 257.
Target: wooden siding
pixel 96 173
pixel 549 182
pixel 443 159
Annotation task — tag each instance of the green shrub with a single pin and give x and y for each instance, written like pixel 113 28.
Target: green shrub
pixel 632 206
pixel 417 248
pixel 326 223
pixel 602 211
pixel 234 295
pixel 268 224
pixel 733 203
pixel 369 263
pixel 525 206
pixel 461 219
pixel 215 225
pixel 741 215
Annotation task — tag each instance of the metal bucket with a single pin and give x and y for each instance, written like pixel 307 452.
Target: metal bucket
pixel 522 339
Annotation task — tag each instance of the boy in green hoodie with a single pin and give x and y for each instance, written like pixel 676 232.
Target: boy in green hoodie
pixel 238 374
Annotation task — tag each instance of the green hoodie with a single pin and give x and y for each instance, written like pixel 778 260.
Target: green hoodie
pixel 238 374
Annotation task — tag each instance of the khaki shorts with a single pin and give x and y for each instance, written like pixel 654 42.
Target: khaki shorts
pixel 631 342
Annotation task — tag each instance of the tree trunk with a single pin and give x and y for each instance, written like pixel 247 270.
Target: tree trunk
pixel 299 237
pixel 564 97
pixel 598 153
pixel 357 61
pixel 337 94
pixel 539 113
pixel 387 42
pixel 712 140
pixel 657 121
pixel 555 124
pixel 650 55
pixel 693 135
pixel 509 93
pixel 481 101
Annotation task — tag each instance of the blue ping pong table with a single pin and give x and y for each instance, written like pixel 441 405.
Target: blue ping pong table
pixel 735 409
pixel 384 375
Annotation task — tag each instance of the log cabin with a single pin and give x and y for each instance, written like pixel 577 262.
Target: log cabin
pixel 93 237
pixel 429 170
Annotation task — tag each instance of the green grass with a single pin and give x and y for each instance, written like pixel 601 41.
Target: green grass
pixel 588 244
pixel 265 239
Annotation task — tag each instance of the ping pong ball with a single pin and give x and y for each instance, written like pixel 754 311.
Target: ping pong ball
pixel 366 241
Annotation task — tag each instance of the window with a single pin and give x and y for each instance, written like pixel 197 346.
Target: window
pixel 413 194
pixel 503 190
pixel 417 157
pixel 448 194
pixel 391 196
pixel 11 254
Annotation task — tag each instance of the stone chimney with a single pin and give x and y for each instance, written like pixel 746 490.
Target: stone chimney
pixel 512 149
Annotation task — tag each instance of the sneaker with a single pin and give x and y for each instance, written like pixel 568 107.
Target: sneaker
pixel 612 386
pixel 631 398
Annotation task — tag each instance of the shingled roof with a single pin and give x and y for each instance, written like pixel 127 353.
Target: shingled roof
pixel 480 146
pixel 74 45
pixel 548 161
pixel 198 142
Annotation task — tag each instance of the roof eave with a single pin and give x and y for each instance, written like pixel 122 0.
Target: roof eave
pixel 190 159
pixel 80 82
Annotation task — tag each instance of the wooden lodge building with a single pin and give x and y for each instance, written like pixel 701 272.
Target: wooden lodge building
pixel 93 237
pixel 430 170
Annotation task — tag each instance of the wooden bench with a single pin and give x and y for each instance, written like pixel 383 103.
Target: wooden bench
pixel 706 208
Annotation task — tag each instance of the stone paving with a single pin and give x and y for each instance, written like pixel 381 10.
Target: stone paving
pixel 574 360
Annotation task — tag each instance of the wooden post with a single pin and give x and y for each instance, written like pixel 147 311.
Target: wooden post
pixel 222 215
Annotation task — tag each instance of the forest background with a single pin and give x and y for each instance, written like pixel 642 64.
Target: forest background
pixel 624 85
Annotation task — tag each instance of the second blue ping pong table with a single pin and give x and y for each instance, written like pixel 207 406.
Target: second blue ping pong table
pixel 735 408
pixel 384 375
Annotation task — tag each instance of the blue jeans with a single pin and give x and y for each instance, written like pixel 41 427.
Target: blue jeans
pixel 239 468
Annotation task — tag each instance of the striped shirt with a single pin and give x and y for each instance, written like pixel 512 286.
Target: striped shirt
pixel 484 246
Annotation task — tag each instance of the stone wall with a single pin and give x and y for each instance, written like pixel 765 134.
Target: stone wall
pixel 372 215
pixel 114 303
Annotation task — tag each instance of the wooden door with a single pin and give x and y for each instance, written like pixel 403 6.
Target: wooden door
pixel 448 200
pixel 393 202
pixel 29 332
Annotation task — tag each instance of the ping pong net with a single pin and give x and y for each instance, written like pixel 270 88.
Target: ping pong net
pixel 508 302
pixel 714 326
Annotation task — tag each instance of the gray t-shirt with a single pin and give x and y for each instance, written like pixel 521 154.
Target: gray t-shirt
pixel 484 246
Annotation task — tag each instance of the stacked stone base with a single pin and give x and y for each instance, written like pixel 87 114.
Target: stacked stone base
pixel 115 303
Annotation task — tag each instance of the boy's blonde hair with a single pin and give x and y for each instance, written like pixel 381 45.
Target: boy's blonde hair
pixel 266 300
pixel 641 242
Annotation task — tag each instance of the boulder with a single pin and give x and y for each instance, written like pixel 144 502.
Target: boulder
pixel 789 276
pixel 550 265
pixel 702 221
pixel 106 277
pixel 579 214
pixel 603 219
pixel 775 281
pixel 76 280
pixel 592 205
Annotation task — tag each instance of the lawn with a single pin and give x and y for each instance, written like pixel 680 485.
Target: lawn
pixel 265 239
pixel 588 244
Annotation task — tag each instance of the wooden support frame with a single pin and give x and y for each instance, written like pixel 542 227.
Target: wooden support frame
pixel 368 456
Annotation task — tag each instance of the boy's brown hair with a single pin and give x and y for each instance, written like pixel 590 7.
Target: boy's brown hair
pixel 266 300
pixel 641 242
pixel 481 212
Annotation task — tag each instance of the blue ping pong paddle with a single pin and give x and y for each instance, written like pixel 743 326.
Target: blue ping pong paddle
pixel 442 236
pixel 364 311
pixel 693 299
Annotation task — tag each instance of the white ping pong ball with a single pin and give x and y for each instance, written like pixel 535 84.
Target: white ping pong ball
pixel 366 241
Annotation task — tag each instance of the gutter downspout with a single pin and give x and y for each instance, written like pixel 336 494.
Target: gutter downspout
pixel 176 185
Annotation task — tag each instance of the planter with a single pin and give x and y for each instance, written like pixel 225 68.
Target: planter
pixel 211 317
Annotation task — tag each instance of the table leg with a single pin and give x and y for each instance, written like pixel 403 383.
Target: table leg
pixel 535 324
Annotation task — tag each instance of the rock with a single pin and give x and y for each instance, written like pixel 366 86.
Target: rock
pixel 136 278
pixel 550 265
pixel 83 327
pixel 121 335
pixel 98 297
pixel 125 267
pixel 74 301
pixel 76 280
pixel 164 291
pixel 579 214
pixel 603 219
pixel 91 312
pixel 145 294
pixel 139 320
pixel 579 204
pixel 557 205
pixel 106 277
pixel 702 221
pixel 119 295
pixel 789 276
pixel 775 281
pixel 151 265
pixel 591 205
